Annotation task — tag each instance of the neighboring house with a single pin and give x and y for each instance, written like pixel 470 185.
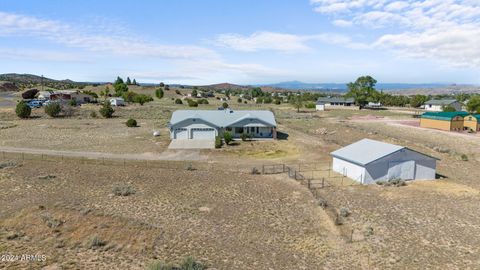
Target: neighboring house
pixel 438 105
pixel 448 121
pixel 471 122
pixel 368 161
pixel 117 101
pixel 206 124
pixel 65 95
pixel 336 102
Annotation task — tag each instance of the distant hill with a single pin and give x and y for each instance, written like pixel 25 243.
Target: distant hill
pixel 26 81
pixel 341 87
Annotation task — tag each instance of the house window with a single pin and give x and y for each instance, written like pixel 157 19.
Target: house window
pixel 239 130
pixel 252 129
pixel 228 129
pixel 257 130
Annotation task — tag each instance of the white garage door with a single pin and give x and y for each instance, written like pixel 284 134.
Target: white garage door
pixel 404 170
pixel 181 134
pixel 203 133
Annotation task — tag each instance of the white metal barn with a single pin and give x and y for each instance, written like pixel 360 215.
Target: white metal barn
pixel 368 161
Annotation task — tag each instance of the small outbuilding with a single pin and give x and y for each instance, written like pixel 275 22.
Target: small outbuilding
pixel 117 101
pixel 437 105
pixel 471 122
pixel 448 121
pixel 369 161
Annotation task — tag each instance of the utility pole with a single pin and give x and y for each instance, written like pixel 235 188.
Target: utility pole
pixel 42 82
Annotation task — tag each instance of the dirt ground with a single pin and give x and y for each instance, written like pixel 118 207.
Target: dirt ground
pixel 232 220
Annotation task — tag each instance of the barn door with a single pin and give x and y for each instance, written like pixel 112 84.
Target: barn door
pixel 404 170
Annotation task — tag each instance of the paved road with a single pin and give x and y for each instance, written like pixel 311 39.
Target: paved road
pixel 167 155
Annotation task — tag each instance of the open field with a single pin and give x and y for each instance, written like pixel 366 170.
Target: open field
pixel 226 218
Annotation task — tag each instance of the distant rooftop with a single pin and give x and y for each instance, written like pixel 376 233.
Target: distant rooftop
pixel 440 101
pixel 324 100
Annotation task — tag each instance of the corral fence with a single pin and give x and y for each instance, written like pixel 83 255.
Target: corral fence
pixel 202 165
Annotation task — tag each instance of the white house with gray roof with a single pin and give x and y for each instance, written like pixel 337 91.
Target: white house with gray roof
pixel 324 102
pixel 368 161
pixel 206 124
pixel 437 105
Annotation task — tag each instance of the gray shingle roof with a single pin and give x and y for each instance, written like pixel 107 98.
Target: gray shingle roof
pixel 365 151
pixel 440 101
pixel 222 118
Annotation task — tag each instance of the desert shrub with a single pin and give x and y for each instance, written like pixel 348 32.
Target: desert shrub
pixel 123 190
pixel 464 157
pixel 29 94
pixel 178 101
pixel 95 242
pixel 255 170
pixel 22 110
pixel 277 102
pixel 93 114
pixel 310 105
pixel 68 110
pixel 51 222
pixel 8 164
pixel 53 109
pixel 323 203
pixel 106 110
pixel 160 266
pixel 129 96
pixel 369 231
pixel 131 122
pixel 142 99
pixel 239 100
pixel 72 102
pixel 203 101
pixel 190 264
pixel 159 93
pixel 245 102
pixel 189 167
pixel 228 137
pixel 176 91
pixel 344 212
pixel 396 182
pixel 449 108
pixel 192 103
pixel 338 220
pixel 218 142
pixel 225 105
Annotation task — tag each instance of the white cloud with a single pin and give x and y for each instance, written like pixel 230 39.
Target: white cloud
pixel 282 42
pixel 342 23
pixel 445 30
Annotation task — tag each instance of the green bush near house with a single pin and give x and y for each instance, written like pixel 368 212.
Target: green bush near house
pixel 159 93
pixel 310 105
pixel 192 103
pixel 228 137
pixel 72 102
pixel 23 110
pixel 53 109
pixel 225 105
pixel 218 142
pixel 178 101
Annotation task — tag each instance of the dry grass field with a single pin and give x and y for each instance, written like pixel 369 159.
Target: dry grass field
pixel 226 219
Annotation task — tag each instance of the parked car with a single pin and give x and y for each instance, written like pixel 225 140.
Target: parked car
pixel 34 103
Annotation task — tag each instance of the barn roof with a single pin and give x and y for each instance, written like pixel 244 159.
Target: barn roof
pixel 447 116
pixel 367 151
pixel 223 118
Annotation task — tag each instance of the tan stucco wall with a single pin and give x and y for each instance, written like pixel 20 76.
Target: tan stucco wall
pixel 435 124
pixel 471 122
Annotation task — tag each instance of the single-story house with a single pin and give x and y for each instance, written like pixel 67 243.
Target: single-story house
pixel 448 121
pixel 322 103
pixel 437 105
pixel 207 124
pixel 65 95
pixel 471 122
pixel 117 101
pixel 369 161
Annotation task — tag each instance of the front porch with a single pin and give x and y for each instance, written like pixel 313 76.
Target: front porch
pixel 254 132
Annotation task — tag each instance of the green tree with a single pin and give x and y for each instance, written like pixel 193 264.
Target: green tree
pixel 178 101
pixel 23 110
pixel 225 105
pixel 120 87
pixel 362 90
pixel 106 110
pixel 142 99
pixel 53 109
pixel 162 84
pixel 128 82
pixel 159 93
pixel 418 100
pixel 297 103
pixel 105 93
pixel 473 105
pixel 135 82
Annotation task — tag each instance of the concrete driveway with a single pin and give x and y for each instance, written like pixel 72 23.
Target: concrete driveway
pixel 192 144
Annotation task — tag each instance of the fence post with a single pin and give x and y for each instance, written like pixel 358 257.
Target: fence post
pixel 263 169
pixel 283 167
pixel 323 182
pixel 309 183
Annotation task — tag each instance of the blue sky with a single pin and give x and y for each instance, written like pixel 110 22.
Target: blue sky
pixel 243 41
